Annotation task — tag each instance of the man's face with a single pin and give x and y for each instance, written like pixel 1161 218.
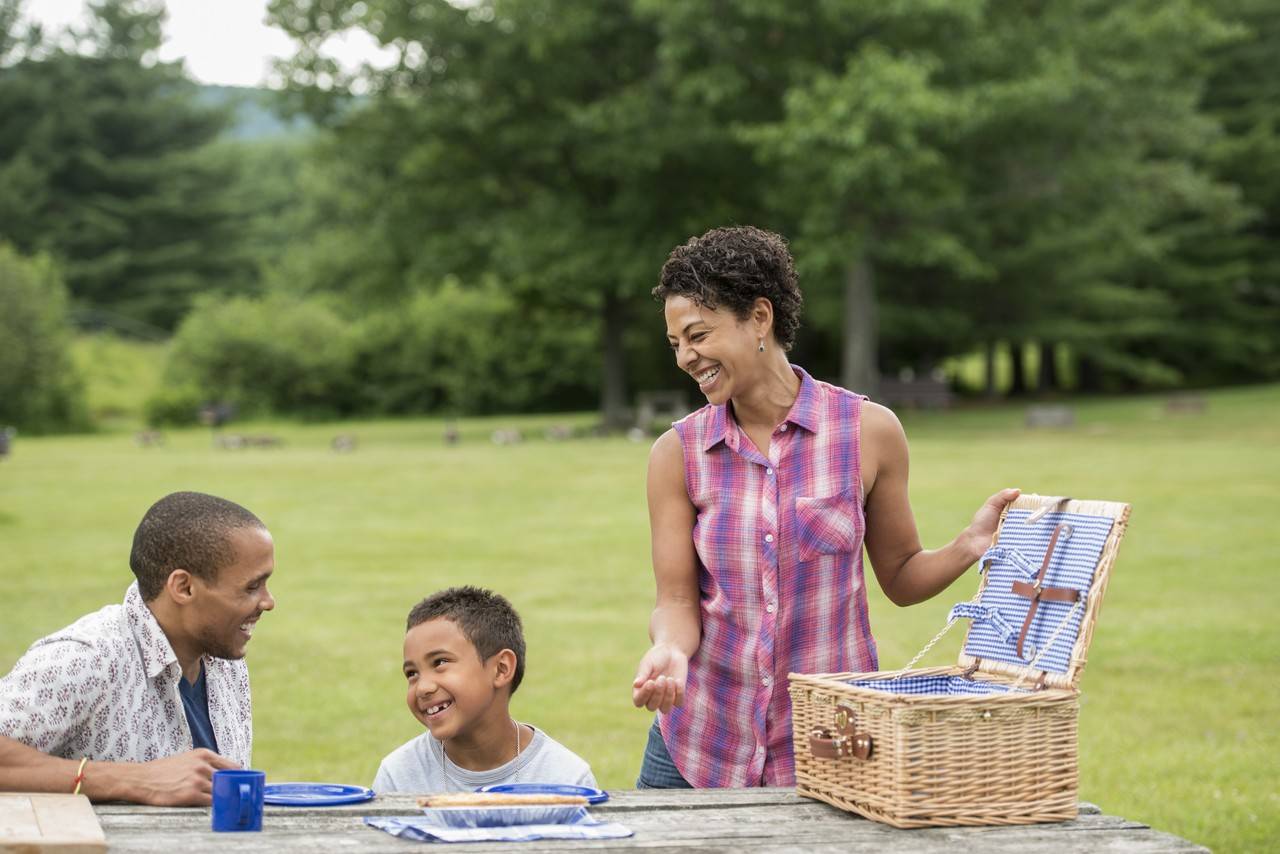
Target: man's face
pixel 226 611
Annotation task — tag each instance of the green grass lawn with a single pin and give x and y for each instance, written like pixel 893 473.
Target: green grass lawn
pixel 1181 696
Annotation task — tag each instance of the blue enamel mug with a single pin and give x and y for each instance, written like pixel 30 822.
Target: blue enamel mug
pixel 237 800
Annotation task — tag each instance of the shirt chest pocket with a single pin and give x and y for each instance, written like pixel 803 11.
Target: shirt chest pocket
pixel 828 526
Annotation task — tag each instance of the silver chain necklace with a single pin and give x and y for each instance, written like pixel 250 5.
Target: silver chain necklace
pixel 445 761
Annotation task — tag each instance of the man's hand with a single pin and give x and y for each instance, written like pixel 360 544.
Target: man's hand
pixel 977 537
pixel 184 780
pixel 659 682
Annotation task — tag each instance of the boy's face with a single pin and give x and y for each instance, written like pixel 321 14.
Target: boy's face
pixel 450 687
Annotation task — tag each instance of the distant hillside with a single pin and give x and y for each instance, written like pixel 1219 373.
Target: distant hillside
pixel 256 113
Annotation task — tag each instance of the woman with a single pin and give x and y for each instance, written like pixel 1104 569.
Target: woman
pixel 760 504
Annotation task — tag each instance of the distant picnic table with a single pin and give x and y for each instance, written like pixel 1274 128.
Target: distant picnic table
pixel 729 820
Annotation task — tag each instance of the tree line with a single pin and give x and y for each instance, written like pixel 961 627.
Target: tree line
pixel 477 226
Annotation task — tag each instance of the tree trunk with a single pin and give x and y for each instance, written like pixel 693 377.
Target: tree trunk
pixel 1089 377
pixel 989 369
pixel 613 386
pixel 859 368
pixel 1048 379
pixel 1017 370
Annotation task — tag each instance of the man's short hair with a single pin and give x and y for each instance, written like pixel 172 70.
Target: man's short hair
pixel 485 618
pixel 186 530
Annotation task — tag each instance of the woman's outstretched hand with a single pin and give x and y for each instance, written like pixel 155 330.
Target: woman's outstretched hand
pixel 659 683
pixel 977 537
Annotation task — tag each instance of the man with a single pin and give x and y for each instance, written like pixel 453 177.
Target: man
pixel 153 693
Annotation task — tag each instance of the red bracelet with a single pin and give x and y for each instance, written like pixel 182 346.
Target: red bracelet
pixel 79 776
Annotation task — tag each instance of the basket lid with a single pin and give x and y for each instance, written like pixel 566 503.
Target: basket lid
pixel 1043 582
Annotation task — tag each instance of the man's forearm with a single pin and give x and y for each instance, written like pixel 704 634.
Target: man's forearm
pixel 25 769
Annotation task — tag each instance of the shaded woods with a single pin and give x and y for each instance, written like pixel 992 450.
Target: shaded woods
pixel 1086 192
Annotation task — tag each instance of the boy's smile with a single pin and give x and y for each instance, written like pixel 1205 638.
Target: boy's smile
pixel 435 710
pixel 451 690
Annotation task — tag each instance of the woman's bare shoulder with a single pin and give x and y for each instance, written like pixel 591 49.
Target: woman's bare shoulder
pixel 879 424
pixel 666 457
pixel 667 445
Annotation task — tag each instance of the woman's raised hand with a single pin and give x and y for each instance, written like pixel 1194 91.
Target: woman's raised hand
pixel 983 527
pixel 659 683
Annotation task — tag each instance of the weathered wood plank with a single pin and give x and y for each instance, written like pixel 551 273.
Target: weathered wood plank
pixel 759 820
pixel 48 822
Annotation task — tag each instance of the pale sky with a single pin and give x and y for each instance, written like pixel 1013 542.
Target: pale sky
pixel 221 41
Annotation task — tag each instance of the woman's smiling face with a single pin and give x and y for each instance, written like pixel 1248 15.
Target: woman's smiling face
pixel 720 352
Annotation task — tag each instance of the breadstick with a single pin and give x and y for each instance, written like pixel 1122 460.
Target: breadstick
pixel 497 799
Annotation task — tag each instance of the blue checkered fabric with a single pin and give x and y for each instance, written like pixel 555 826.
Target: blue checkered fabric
pixel 948 685
pixel 1017 557
pixel 977 613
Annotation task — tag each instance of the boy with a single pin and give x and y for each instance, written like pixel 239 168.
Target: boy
pixel 463 659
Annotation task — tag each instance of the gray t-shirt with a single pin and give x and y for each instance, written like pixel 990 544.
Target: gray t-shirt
pixel 420 766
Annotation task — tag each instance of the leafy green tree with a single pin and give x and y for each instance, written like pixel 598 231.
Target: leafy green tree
pixel 39 387
pixel 1085 167
pixel 471 349
pixel 17 38
pixel 276 354
pixel 102 165
pixel 945 185
pixel 1223 276
pixel 960 187
pixel 531 141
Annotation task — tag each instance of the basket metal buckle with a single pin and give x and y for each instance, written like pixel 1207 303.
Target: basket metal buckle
pixel 846 741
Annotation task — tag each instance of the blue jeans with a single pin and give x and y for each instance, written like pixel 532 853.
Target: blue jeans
pixel 657 771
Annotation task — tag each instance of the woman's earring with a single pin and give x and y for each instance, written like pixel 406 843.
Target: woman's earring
pixel 761 345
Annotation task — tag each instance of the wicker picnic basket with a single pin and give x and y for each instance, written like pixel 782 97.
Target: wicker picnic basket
pixel 991 740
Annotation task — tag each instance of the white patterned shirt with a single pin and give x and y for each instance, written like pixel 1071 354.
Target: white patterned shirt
pixel 106 688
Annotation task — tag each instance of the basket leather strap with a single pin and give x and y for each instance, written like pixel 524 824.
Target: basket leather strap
pixel 824 746
pixel 1036 592
pixel 846 740
pixel 1047 594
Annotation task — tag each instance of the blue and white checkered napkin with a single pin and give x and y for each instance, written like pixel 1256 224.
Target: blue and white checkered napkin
pixel 422 829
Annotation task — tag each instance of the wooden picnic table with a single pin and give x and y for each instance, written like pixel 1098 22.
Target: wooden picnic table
pixel 728 820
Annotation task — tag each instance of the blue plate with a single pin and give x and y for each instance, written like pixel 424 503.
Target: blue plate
pixel 593 796
pixel 314 794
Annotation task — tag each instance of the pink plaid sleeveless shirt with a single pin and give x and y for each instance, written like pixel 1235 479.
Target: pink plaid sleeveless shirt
pixel 779 545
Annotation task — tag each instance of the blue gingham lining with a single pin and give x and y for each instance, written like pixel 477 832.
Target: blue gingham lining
pixel 1017 557
pixel 950 685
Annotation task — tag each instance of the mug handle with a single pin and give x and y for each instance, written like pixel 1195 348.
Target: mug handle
pixel 246 802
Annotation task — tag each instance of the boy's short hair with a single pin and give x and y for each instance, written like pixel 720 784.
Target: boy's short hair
pixel 487 620
pixel 186 530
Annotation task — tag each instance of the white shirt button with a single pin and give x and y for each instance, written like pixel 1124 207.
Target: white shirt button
pixel 759 750
pixel 769 607
pixel 768 538
pixel 766 680
pixel 783 428
pixel 769 472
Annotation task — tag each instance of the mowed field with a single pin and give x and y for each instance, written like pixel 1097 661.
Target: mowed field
pixel 1181 695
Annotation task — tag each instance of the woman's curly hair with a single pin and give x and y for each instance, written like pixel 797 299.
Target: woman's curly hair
pixel 732 267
